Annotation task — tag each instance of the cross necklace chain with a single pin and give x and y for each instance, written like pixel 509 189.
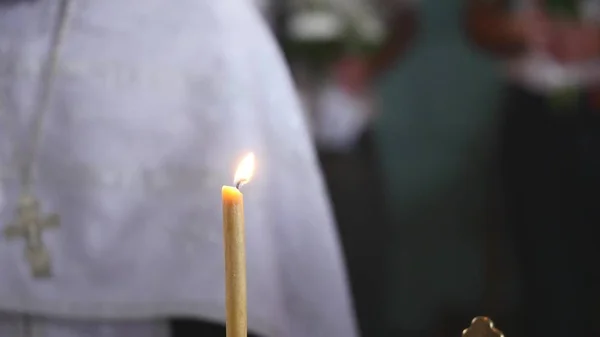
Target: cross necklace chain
pixel 29 222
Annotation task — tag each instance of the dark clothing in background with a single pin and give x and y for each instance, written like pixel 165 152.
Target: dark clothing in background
pixel 551 177
pixel 355 187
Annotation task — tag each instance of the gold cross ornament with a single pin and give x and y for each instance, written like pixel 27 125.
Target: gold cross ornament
pixel 482 327
pixel 30 225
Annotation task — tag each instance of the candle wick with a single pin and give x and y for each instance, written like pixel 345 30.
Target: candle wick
pixel 240 183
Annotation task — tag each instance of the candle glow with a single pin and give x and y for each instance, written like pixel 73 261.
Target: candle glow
pixel 244 171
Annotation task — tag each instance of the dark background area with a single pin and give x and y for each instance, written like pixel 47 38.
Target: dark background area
pixel 417 201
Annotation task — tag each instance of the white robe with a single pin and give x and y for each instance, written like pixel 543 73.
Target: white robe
pixel 154 103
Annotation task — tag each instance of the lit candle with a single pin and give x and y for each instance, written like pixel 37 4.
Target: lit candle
pixel 235 251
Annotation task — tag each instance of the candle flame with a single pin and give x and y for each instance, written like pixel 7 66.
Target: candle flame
pixel 244 171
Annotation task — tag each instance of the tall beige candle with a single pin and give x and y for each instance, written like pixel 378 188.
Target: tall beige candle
pixel 234 244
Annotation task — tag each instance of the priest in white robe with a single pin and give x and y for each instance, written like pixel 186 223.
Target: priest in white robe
pixel 119 122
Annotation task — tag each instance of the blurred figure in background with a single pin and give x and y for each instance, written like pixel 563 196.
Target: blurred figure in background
pixel 353 173
pixel 336 76
pixel 125 119
pixel 550 151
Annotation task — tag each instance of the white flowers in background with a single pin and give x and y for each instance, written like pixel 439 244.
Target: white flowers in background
pixel 315 20
pixel 319 31
pixel 316 25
